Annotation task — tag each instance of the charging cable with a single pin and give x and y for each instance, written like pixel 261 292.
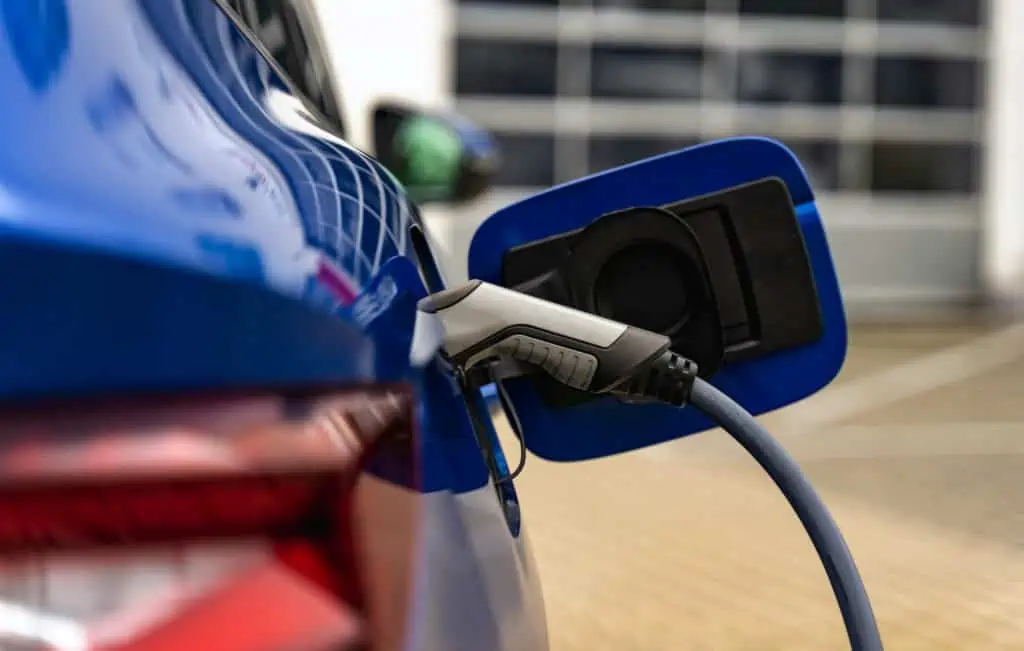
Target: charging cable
pixel 854 605
pixel 490 326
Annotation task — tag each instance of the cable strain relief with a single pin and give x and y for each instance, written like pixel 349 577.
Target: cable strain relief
pixel 669 379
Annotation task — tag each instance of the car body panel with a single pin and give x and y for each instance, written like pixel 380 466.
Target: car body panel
pixel 163 208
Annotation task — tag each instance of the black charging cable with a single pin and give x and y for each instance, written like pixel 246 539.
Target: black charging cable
pixel 685 387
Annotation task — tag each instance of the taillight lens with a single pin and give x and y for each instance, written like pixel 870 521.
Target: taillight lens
pixel 177 524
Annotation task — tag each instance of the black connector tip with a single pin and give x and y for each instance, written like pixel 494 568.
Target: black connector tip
pixel 668 379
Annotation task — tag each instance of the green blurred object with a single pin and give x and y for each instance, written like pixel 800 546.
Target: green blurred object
pixel 433 154
pixel 438 157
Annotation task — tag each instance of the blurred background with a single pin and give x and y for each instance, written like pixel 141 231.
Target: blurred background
pixel 884 101
pixel 904 112
pixel 909 116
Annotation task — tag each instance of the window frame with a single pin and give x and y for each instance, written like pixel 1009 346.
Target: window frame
pixel 336 125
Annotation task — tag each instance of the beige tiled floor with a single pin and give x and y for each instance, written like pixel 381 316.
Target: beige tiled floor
pixel 687 546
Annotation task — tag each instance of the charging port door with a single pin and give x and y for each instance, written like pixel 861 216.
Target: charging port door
pixel 743 218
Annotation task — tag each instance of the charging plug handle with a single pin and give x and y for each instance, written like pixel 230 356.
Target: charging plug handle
pixel 585 352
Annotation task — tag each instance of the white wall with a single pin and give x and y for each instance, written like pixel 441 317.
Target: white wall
pixel 387 48
pixel 1003 230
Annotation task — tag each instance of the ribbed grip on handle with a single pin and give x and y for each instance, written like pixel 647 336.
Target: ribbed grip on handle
pixel 569 366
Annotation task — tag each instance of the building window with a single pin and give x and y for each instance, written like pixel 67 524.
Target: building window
pixel 505 68
pixel 793 8
pixel 654 5
pixel 529 160
pixel 511 3
pixel 952 12
pixel 927 82
pixel 790 78
pixel 632 72
pixel 629 79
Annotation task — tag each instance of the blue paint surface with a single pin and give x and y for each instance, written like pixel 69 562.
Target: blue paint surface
pixel 162 230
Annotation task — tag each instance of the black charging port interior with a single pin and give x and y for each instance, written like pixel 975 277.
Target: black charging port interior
pixel 726 275
pixel 758 265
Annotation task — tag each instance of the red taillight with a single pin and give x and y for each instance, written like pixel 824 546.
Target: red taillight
pixel 264 607
pixel 275 475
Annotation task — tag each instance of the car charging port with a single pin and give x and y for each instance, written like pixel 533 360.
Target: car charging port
pixel 725 276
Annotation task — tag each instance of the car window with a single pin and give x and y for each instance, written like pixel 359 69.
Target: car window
pixel 285 29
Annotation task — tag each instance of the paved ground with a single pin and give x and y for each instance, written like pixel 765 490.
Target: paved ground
pixel 919 450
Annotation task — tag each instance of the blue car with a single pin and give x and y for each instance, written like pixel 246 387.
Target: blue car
pixel 185 234
pixel 224 422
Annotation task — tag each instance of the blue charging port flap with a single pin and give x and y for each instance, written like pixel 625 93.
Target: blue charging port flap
pixel 604 427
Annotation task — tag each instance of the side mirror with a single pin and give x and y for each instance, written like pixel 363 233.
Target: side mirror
pixel 438 158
